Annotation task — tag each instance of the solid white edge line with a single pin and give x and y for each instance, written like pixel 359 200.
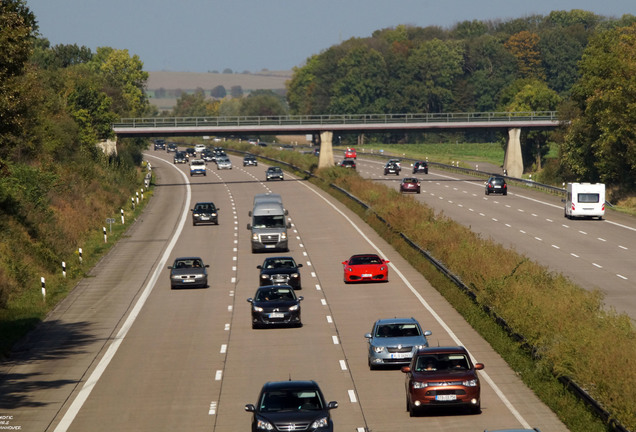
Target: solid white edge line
pixel 92 380
pixel 439 319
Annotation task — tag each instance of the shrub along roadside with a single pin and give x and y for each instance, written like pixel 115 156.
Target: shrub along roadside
pixel 575 336
pixel 26 308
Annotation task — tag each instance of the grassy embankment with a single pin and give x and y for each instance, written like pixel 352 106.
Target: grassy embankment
pixel 573 334
pixel 74 220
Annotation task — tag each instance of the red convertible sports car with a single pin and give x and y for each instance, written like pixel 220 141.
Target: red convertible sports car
pixel 366 268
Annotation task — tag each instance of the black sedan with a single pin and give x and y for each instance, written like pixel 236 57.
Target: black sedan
pixel 188 272
pixel 420 167
pixel 281 270
pixel 291 406
pixel 205 212
pixel 275 305
pixel 250 160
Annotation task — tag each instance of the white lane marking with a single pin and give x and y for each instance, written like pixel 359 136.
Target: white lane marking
pixel 574 255
pixel 313 274
pixel 212 410
pixel 343 365
pixel 324 302
pixel 601 239
pixel 318 287
pixel 622 247
pixel 227 327
pixel 329 319
pixel 92 380
pixel 597 265
pixel 218 376
pixel 352 396
pixel 555 246
pixel 335 340
pixel 223 348
pixel 229 308
pixel 621 276
pixel 428 307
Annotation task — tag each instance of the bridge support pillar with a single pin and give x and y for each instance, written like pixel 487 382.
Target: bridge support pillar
pixel 513 160
pixel 325 160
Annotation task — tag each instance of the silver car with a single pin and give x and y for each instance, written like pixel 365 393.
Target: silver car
pixel 223 162
pixel 188 272
pixel 394 341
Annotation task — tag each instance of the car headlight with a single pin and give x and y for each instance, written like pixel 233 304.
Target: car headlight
pixel 196 214
pixel 295 275
pixel 471 383
pixel 382 268
pixel 419 347
pixel 293 308
pixel 264 425
pixel 255 237
pixel 258 309
pixel 213 214
pixel 349 269
pixel 320 423
pixel 378 349
pixel 419 385
pixel 283 236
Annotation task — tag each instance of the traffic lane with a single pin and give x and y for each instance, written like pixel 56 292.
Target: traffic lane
pixel 590 259
pixel 51 364
pixel 166 366
pixel 353 312
pixel 256 356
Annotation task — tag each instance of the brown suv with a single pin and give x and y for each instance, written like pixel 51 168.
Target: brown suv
pixel 442 376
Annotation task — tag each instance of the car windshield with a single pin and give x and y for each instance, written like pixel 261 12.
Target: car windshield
pixel 397 330
pixel 361 260
pixel 290 400
pixel 269 221
pixel 274 169
pixel 274 263
pixel 275 294
pixel 204 207
pixel 442 362
pixel 188 263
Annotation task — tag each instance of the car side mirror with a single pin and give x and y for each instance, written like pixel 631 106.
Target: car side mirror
pixel 299 265
pixel 259 266
pixel 406 369
pixel 170 267
pixel 288 225
pixel 250 300
pixel 428 333
pixel 249 226
pixel 301 298
pixel 332 405
pixel 250 408
pixel 207 265
pixel 368 336
pixel 479 366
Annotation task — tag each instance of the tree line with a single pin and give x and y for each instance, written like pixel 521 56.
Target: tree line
pixel 576 62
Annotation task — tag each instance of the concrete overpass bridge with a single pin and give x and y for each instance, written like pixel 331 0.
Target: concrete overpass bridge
pixel 326 125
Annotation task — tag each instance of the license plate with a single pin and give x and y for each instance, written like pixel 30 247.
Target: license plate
pixel 400 355
pixel 205 218
pixel 367 275
pixel 269 246
pixel 497 187
pixel 446 398
pixel 276 315
pixel 187 280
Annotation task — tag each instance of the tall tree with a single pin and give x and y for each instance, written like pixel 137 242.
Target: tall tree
pixel 601 141
pixel 525 47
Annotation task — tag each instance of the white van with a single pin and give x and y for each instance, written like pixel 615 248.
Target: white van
pixel 585 200
pixel 269 226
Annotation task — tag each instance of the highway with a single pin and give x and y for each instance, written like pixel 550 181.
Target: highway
pixel 124 352
pixel 594 254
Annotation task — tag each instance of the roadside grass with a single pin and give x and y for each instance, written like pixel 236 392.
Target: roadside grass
pixel 28 306
pixel 571 331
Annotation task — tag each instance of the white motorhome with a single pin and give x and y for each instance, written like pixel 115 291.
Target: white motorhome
pixel 269 226
pixel 585 200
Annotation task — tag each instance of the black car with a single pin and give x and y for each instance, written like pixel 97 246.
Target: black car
pixel 188 272
pixel 190 152
pixel 274 173
pixel 496 184
pixel 291 406
pixel 250 160
pixel 348 163
pixel 281 270
pixel 208 155
pixel 420 167
pixel 172 147
pixel 392 168
pixel 274 305
pixel 181 157
pixel 205 212
pixel 160 144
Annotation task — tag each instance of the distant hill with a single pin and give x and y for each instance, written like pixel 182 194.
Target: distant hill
pixel 163 88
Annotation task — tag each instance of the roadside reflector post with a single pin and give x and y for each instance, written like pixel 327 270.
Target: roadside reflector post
pixel 43 288
pixel 105 237
pixel 79 251
pixel 122 216
pixel 63 269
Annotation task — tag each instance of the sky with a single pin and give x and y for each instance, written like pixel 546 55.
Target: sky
pixel 256 35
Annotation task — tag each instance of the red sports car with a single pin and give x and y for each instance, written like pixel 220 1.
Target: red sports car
pixel 350 153
pixel 366 268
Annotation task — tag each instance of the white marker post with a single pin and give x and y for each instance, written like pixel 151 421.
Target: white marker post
pixel 122 216
pixel 43 288
pixel 79 251
pixel 63 269
pixel 105 237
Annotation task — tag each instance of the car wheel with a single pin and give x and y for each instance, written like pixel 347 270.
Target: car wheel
pixel 194 223
pixel 411 408
pixel 476 409
pixel 505 193
pixel 487 192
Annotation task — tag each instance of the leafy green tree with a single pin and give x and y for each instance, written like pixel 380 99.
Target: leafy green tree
pixel 432 69
pixel 601 141
pixel 192 105
pixel 218 92
pixel 236 91
pixel 59 56
pixel 91 109
pixel 263 103
pixel 362 87
pixel 124 79
pixel 561 50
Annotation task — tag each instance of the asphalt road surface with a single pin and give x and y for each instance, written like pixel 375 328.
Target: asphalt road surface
pixel 124 352
pixel 597 255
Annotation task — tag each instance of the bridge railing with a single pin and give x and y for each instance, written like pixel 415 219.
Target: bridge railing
pixel 336 119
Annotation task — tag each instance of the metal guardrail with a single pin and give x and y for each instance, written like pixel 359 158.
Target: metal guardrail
pixel 341 119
